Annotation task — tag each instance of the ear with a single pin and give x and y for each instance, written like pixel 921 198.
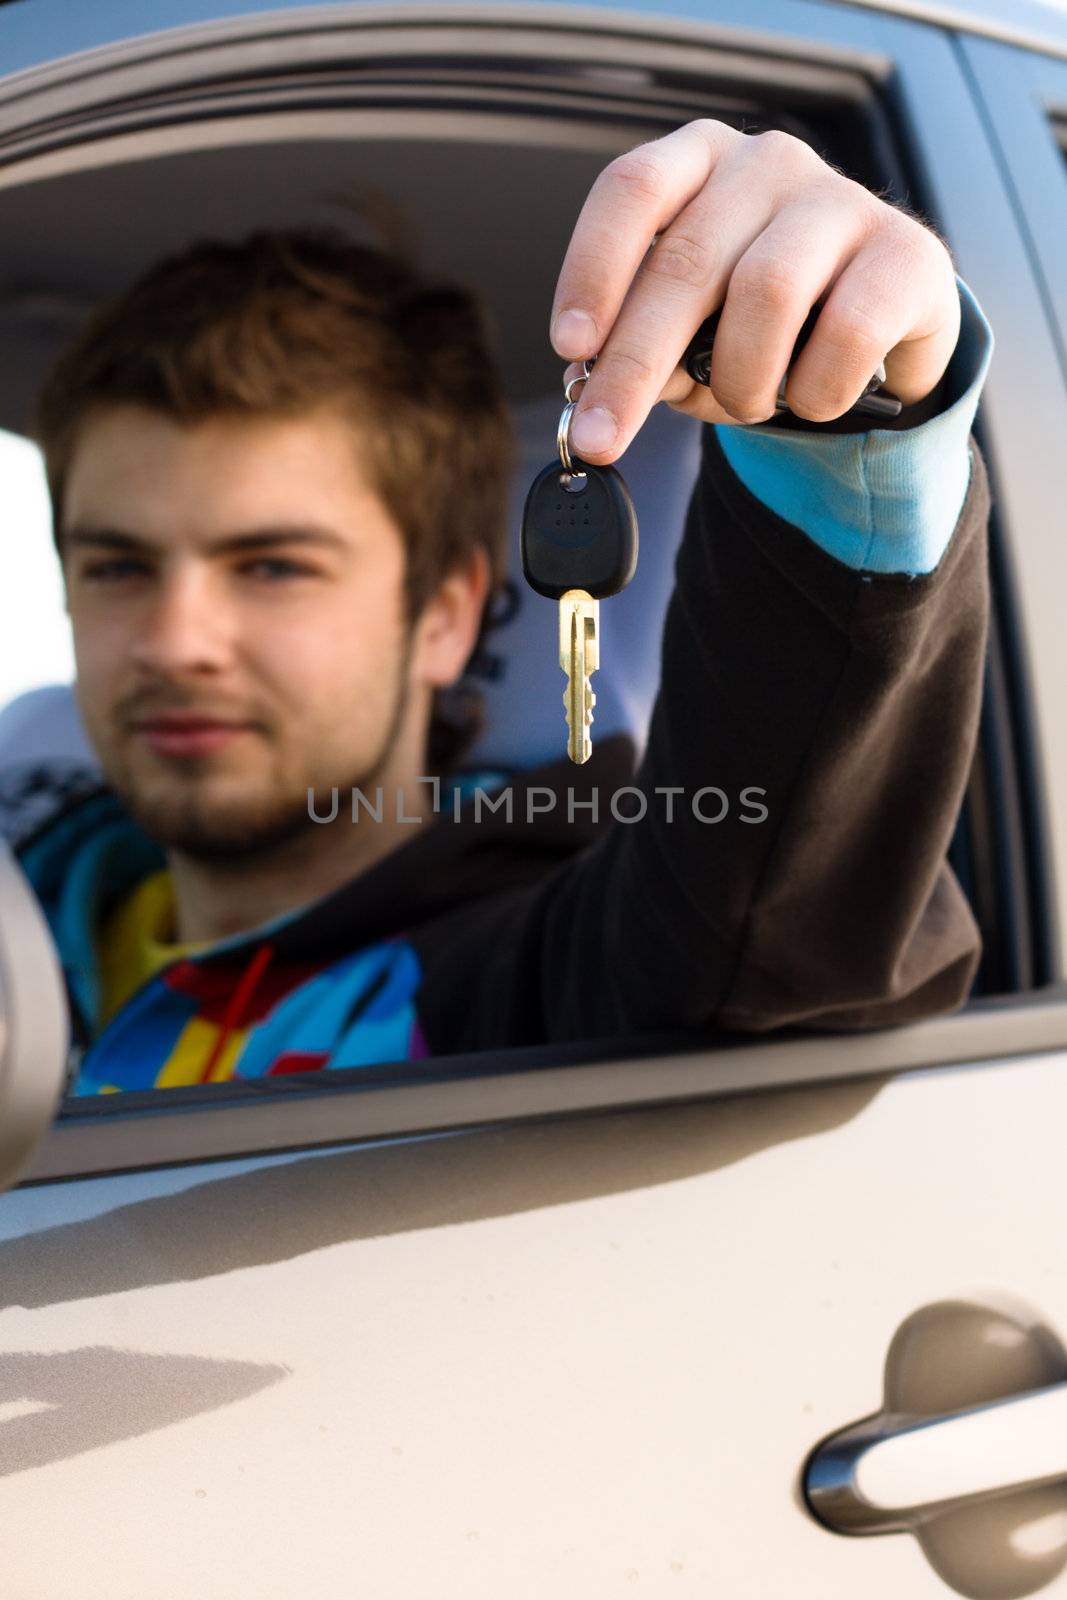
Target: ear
pixel 445 632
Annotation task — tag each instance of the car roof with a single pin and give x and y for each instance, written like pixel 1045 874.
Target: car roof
pixel 1035 24
pixel 38 32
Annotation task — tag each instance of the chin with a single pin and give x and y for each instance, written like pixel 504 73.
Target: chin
pixel 223 833
pixel 213 816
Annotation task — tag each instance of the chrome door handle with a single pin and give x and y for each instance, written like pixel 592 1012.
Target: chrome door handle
pixel 888 1473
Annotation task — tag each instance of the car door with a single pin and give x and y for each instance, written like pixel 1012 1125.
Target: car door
pixel 583 1321
pixel 1023 96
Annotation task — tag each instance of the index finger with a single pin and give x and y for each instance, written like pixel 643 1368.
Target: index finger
pixel 631 201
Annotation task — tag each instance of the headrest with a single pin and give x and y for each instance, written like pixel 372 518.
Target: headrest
pixel 524 699
pixel 43 725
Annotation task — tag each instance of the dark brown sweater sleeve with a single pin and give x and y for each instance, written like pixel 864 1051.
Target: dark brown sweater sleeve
pixel 836 714
pixel 853 701
pixel 856 919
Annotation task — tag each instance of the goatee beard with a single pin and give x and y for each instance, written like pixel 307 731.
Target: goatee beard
pixel 239 840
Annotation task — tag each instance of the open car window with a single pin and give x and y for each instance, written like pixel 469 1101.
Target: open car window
pixel 529 121
pixel 37 646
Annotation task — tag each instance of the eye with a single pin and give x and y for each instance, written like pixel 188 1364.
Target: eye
pixel 101 571
pixel 276 568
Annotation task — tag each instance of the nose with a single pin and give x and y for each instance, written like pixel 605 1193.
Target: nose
pixel 184 626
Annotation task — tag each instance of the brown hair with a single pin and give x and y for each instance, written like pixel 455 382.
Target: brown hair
pixel 278 324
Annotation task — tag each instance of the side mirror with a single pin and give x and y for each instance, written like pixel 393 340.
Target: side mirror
pixel 34 1022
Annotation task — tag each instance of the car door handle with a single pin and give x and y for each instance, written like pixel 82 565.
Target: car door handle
pixel 885 1474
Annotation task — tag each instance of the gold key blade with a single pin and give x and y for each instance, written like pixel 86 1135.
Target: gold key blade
pixel 579 620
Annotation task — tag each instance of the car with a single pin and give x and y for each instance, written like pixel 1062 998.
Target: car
pixel 700 1316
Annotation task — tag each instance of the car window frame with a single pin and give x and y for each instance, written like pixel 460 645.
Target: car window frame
pixel 359 1105
pixel 918 68
pixel 1023 95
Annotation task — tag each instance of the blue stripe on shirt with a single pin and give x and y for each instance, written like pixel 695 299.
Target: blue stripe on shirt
pixel 880 501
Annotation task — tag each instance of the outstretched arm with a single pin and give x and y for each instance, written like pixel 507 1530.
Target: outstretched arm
pixel 806 761
pixel 828 696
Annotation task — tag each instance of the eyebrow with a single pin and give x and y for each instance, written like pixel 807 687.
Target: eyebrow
pixel 253 539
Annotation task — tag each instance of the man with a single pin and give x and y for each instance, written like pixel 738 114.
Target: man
pixel 277 474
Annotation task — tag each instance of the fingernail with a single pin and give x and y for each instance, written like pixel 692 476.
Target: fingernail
pixel 574 335
pixel 594 431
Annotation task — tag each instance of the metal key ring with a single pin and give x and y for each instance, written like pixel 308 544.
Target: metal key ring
pixel 562 436
pixel 564 428
pixel 582 377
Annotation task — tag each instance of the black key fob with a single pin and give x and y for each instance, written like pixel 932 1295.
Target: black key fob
pixel 579 531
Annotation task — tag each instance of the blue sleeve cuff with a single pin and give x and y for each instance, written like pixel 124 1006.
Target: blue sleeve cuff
pixel 880 501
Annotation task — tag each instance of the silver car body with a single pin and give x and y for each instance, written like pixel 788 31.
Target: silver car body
pixel 570 1325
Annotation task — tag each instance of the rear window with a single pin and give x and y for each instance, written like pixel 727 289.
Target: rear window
pixel 36 646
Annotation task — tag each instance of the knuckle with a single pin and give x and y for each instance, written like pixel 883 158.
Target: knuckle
pixel 864 208
pixel 763 285
pixel 912 245
pixel 883 215
pixel 628 367
pixel 682 259
pixel 784 149
pixel 853 333
pixel 716 132
pixel 896 229
pixel 639 173
pixel 927 250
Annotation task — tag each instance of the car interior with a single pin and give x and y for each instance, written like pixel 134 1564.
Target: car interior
pixel 477 163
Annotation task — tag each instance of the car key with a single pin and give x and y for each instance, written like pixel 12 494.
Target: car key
pixel 579 546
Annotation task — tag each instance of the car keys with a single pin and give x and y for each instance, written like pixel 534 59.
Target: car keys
pixel 579 545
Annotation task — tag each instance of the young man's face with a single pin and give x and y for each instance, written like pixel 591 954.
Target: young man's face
pixel 244 572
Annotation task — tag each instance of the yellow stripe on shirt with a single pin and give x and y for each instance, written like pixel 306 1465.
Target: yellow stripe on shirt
pixel 135 941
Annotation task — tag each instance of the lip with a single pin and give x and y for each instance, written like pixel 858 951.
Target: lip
pixel 186 737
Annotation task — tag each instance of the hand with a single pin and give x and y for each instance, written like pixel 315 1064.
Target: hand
pixel 760 225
